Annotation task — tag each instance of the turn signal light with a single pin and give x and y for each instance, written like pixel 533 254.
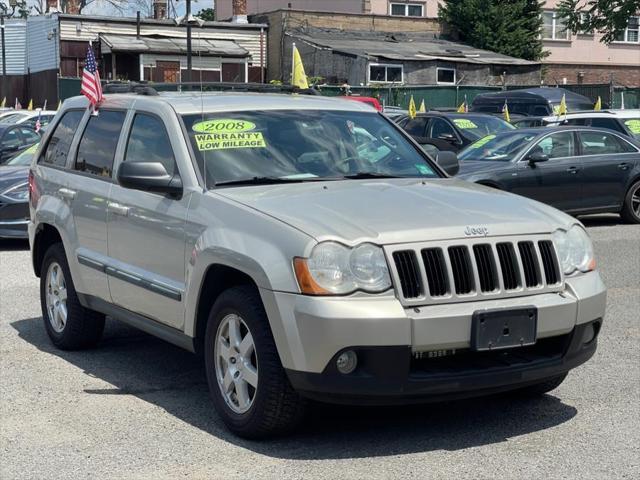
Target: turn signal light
pixel 306 282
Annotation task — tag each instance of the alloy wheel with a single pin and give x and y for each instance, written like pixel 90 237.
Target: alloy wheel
pixel 56 297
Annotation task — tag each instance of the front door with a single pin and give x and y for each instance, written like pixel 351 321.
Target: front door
pixel 558 181
pixel 147 233
pixel 168 72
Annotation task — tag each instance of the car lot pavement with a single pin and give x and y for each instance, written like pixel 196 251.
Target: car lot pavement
pixel 137 407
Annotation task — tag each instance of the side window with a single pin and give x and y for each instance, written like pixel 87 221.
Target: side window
pixel 60 141
pixel 557 145
pixel 440 129
pixel 609 123
pixel 97 147
pixel 416 126
pixel 29 135
pixel 149 142
pixel 575 121
pixel 11 139
pixel 600 143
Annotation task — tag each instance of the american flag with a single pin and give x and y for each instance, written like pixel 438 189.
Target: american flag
pixel 91 87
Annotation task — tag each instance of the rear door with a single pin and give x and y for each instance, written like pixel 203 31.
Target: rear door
pixel 558 181
pixel 607 161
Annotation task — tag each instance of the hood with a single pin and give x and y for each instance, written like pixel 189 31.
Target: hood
pixel 470 167
pixel 10 176
pixel 397 210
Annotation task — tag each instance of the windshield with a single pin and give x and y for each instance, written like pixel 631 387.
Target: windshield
pixel 497 147
pixel 475 127
pixel 287 145
pixel 633 124
pixel 23 158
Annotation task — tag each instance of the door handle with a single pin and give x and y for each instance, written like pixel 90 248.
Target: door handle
pixel 572 170
pixel 67 193
pixel 117 209
pixel 623 166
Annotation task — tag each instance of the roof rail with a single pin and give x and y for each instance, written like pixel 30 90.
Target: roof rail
pixel 154 88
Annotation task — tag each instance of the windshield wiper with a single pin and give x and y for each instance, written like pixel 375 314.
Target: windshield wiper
pixel 364 175
pixel 260 181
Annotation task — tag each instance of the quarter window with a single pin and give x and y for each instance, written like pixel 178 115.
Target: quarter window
pixel 60 141
pixel 406 9
pixel 553 26
pixel 379 73
pixel 599 143
pixel 97 147
pixel 149 142
pixel 630 34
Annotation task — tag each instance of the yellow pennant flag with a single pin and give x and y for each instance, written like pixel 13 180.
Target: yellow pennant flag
pixel 598 105
pixel 562 109
pixel 30 106
pixel 412 108
pixel 423 107
pixel 505 112
pixel 298 77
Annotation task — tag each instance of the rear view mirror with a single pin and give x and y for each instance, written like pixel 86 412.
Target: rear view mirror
pixel 537 157
pixel 148 176
pixel 448 161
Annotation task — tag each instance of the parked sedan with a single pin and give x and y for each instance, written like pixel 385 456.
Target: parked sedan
pixel 577 169
pixel 14 194
pixel 14 138
pixel 456 129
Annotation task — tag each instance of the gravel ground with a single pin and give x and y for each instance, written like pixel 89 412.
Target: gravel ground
pixel 137 407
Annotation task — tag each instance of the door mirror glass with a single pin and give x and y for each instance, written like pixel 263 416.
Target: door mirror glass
pixel 536 157
pixel 448 161
pixel 148 176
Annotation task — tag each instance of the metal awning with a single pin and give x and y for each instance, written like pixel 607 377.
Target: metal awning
pixel 170 45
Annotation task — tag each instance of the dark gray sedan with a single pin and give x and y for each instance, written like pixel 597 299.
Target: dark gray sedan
pixel 576 169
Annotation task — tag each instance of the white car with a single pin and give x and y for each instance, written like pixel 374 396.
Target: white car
pixel 622 121
pixel 28 117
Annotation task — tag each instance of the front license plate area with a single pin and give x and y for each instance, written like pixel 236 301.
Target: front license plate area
pixel 499 329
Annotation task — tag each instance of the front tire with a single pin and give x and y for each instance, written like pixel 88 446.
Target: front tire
pixel 70 326
pixel 631 208
pixel 249 386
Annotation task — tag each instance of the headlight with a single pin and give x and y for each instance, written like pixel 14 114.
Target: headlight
pixel 334 269
pixel 18 192
pixel 575 251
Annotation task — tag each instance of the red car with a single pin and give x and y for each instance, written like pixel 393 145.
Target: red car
pixel 370 100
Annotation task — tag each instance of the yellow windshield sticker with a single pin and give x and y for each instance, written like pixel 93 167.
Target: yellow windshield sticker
pixel 224 125
pixel 464 123
pixel 633 125
pixel 32 148
pixel 482 141
pixel 222 141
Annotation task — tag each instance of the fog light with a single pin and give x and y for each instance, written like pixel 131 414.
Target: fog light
pixel 589 334
pixel 347 362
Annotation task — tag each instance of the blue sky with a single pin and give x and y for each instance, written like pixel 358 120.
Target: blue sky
pixel 101 7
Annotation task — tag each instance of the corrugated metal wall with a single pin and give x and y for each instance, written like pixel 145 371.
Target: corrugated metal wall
pixel 16 49
pixel 42 43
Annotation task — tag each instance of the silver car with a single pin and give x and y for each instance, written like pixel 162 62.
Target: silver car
pixel 309 249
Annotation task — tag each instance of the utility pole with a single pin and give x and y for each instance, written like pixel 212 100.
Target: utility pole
pixel 3 13
pixel 188 15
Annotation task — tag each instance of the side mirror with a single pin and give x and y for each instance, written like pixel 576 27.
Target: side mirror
pixel 537 157
pixel 448 161
pixel 149 177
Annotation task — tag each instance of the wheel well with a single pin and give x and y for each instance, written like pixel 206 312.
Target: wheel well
pixel 217 279
pixel 46 236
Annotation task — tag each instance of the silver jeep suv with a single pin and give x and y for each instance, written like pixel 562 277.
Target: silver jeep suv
pixel 308 248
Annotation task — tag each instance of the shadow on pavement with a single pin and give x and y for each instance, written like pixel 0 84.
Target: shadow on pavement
pixel 166 376
pixel 13 245
pixel 601 220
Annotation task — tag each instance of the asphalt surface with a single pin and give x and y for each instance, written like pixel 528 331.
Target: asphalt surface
pixel 137 407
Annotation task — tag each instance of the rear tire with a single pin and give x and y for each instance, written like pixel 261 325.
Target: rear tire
pixel 70 326
pixel 249 386
pixel 631 208
pixel 542 387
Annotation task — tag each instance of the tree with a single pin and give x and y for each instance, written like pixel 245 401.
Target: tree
pixel 510 27
pixel 22 10
pixel 609 17
pixel 208 14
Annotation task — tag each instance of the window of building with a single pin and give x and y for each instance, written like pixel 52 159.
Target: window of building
pixel 149 142
pixel 379 72
pixel 631 33
pixel 446 75
pixel 585 17
pixel 406 9
pixel 553 26
pixel 97 147
pixel 60 141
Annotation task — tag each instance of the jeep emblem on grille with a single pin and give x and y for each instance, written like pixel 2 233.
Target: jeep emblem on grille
pixel 476 231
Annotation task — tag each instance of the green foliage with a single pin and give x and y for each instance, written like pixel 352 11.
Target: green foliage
pixel 510 27
pixel 208 14
pixel 610 17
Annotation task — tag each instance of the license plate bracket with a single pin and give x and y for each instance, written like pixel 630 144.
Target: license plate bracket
pixel 497 329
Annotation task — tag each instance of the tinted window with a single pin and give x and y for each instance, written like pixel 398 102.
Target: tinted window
pixel 502 147
pixel 557 145
pixel 440 127
pixel 609 123
pixel 60 141
pixel 149 142
pixel 11 139
pixel 416 126
pixel 97 147
pixel 599 143
pixel 29 135
pixel 575 121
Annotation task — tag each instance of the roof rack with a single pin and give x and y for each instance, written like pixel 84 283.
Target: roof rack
pixel 153 88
